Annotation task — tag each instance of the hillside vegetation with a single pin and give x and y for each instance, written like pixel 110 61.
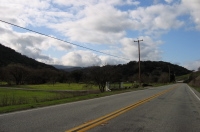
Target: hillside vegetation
pixel 194 79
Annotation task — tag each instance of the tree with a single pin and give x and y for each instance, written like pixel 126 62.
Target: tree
pixel 52 76
pixel 36 76
pixel 63 76
pixel 164 78
pixel 199 69
pixel 18 72
pixel 77 75
pixel 101 75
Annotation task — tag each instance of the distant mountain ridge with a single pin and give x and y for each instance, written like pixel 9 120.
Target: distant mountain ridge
pixel 10 56
pixel 68 68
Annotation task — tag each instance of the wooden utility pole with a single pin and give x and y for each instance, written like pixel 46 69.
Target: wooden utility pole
pixel 169 74
pixel 139 61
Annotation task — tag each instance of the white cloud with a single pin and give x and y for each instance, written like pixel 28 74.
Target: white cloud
pixel 108 60
pixel 88 58
pixel 20 12
pixel 158 17
pixel 192 65
pixel 81 58
pixel 81 3
pixel 193 8
pixel 169 1
pixel 100 23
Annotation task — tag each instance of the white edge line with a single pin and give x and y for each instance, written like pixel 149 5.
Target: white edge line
pixel 193 92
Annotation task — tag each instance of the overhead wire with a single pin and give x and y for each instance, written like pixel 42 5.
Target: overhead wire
pixel 62 40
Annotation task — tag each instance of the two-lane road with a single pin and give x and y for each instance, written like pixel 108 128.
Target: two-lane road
pixel 169 108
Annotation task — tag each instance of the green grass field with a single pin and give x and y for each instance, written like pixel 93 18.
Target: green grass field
pixel 18 97
pixel 12 100
pixel 59 86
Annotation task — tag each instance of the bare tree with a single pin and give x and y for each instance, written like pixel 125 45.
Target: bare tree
pixel 18 72
pixel 101 75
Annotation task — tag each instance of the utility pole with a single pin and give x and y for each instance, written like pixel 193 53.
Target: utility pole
pixel 139 60
pixel 169 74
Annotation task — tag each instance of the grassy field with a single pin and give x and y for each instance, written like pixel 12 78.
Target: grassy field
pixel 18 97
pixel 59 86
pixel 12 100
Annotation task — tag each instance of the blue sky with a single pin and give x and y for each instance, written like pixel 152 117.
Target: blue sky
pixel 170 30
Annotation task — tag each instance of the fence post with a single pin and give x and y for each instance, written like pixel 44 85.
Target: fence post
pixel 107 86
pixel 121 85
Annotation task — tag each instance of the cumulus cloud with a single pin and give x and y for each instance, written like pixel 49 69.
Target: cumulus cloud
pixel 81 58
pixel 88 58
pixel 158 17
pixel 107 60
pixel 100 23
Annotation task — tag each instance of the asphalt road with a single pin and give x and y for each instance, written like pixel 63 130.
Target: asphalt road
pixel 175 110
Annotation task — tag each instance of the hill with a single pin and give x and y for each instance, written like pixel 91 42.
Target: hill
pixel 151 71
pixel 10 56
pixel 154 67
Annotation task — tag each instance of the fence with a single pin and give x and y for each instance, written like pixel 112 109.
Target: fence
pixel 114 86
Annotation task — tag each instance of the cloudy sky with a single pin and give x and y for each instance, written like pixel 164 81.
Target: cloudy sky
pixel 170 30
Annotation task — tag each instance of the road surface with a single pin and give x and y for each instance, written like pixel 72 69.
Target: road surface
pixel 172 108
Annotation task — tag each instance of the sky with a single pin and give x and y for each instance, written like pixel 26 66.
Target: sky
pixel 170 30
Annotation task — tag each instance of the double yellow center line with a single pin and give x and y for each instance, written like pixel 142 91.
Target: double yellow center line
pixel 105 118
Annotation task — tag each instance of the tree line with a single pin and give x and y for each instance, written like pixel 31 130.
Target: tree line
pixel 151 72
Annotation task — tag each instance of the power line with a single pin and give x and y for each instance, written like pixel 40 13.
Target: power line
pixel 62 40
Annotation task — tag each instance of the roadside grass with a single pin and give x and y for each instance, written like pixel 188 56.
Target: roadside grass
pixel 14 100
pixel 197 88
pixel 150 84
pixel 59 86
pixel 128 84
pixel 17 97
pixel 183 77
pixel 160 84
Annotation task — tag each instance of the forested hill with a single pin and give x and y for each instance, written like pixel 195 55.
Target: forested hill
pixel 154 67
pixel 151 69
pixel 10 56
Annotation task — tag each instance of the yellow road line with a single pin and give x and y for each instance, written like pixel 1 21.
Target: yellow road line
pixel 107 117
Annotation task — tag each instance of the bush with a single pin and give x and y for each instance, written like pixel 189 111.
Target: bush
pixel 195 82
